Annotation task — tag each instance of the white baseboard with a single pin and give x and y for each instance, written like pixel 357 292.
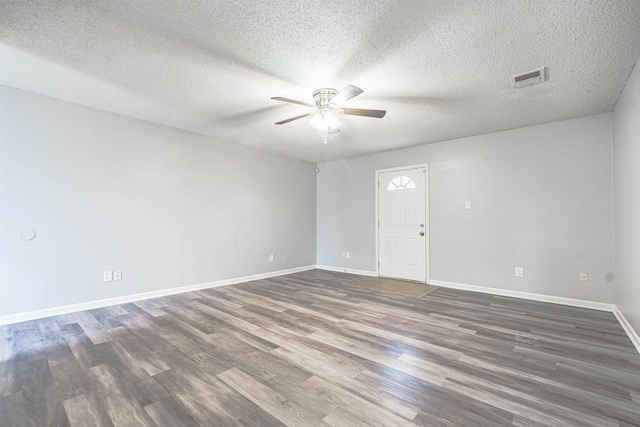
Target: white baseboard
pixel 54 311
pixel 347 270
pixel 631 333
pixel 526 295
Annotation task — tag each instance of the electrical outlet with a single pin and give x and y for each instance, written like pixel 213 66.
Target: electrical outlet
pixel 117 275
pixel 519 272
pixel 271 257
pixel 584 276
pixel 467 204
pixel 344 255
pixel 347 255
pixel 107 276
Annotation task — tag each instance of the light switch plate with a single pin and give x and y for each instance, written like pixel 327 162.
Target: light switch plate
pixel 107 276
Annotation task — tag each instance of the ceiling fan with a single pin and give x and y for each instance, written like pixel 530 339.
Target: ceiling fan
pixel 327 107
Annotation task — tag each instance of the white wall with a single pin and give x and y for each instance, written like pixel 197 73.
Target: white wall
pixel 626 189
pixel 542 199
pixel 167 207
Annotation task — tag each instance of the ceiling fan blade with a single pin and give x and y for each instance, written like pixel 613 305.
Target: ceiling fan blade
pixel 346 94
pixel 378 114
pixel 293 101
pixel 293 118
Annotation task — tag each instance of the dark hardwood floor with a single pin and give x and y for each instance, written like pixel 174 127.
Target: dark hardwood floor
pixel 310 349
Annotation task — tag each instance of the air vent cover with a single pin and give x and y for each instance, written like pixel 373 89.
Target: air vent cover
pixel 529 78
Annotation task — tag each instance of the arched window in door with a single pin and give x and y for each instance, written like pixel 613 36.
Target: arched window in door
pixel 401 183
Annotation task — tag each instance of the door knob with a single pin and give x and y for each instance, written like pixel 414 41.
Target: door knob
pixel 422 233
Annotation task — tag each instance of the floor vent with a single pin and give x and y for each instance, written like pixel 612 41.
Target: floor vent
pixel 529 78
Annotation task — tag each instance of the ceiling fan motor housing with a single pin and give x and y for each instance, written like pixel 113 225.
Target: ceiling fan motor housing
pixel 323 97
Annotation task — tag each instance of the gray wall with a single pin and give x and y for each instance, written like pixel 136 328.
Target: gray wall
pixel 542 199
pixel 626 188
pixel 167 207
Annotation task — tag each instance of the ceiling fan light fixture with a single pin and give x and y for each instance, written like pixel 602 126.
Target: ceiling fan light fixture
pixel 325 119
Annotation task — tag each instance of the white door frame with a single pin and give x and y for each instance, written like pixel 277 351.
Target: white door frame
pixel 426 211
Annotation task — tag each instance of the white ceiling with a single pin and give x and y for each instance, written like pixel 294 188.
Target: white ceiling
pixel 440 68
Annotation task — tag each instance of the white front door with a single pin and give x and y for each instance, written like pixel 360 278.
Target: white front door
pixel 402 228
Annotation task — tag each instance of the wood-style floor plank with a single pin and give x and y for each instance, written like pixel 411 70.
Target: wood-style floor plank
pixel 311 348
pixel 263 396
pixel 115 395
pixel 85 410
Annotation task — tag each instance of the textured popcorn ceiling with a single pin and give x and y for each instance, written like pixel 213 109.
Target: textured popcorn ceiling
pixel 440 68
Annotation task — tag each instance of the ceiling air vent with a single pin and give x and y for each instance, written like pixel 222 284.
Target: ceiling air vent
pixel 529 78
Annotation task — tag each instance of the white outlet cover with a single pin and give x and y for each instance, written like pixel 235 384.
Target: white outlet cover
pixel 519 272
pixel 467 204
pixel 107 276
pixel 348 255
pixel 117 275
